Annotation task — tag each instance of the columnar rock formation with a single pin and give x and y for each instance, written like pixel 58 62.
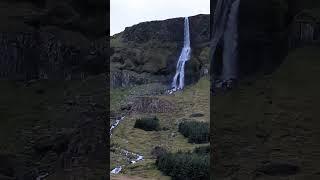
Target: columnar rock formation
pixel 50 39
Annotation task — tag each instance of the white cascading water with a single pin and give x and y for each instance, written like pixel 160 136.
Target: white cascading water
pixel 184 56
pixel 230 41
pixel 131 157
pixel 225 31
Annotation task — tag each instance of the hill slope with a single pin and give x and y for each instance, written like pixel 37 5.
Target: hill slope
pixel 269 128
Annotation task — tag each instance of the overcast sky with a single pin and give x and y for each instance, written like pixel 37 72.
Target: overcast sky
pixel 125 13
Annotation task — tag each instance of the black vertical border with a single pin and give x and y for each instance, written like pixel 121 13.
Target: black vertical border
pixel 107 120
pixel 212 7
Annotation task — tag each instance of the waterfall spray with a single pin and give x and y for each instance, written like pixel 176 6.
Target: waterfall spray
pixel 184 56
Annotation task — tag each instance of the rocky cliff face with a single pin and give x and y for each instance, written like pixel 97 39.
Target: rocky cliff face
pixel 44 55
pixel 61 135
pixel 264 32
pixel 148 52
pixel 264 129
pixel 263 36
pixel 51 39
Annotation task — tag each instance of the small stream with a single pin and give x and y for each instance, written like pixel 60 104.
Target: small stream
pixel 131 157
pixel 116 123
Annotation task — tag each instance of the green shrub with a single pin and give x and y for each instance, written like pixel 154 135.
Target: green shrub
pixel 184 165
pixel 148 124
pixel 196 132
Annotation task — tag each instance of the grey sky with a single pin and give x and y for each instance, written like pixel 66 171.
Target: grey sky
pixel 125 13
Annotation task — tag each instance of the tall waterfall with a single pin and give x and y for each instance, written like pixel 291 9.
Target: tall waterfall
pixel 230 50
pixel 225 33
pixel 184 56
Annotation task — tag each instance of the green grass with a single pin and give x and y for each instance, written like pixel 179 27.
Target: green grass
pixel 117 96
pixel 194 99
pixel 278 114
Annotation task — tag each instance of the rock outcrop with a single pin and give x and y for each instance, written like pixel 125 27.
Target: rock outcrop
pixel 263 36
pixel 51 40
pixel 44 55
pixel 264 28
pixel 54 40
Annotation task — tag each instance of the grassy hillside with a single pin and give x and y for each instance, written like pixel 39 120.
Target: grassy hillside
pixel 268 128
pixel 42 122
pixel 194 99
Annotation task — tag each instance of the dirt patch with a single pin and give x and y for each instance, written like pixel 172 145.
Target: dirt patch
pixel 152 105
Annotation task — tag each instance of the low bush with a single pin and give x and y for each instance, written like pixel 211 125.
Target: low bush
pixel 184 165
pixel 196 132
pixel 148 124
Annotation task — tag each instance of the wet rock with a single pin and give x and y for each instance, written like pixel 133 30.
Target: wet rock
pixel 127 106
pixel 197 115
pixel 158 151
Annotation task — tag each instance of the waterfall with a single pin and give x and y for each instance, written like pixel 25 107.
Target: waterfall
pixel 230 50
pixel 225 33
pixel 184 56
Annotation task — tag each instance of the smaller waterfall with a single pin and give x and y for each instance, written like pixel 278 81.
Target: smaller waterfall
pixel 132 158
pixel 116 123
pixel 184 56
pixel 116 170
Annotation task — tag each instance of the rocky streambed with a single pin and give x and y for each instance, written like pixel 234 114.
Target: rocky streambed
pixel 131 157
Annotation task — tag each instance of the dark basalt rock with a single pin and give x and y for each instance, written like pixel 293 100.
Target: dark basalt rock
pixel 170 30
pixel 263 37
pixel 44 55
pixel 53 39
pixel 197 115
pixel 264 28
